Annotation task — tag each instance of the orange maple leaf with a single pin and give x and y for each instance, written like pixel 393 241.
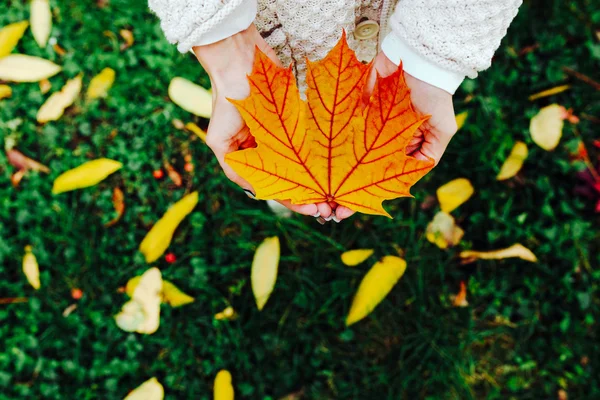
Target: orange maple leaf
pixel 330 148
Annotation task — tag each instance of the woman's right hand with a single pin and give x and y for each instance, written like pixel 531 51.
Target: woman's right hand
pixel 228 62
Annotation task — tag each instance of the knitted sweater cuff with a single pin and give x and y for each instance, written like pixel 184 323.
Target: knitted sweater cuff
pixel 239 20
pixel 419 67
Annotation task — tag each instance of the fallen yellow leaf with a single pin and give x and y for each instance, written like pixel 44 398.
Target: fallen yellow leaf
pixel 227 314
pixel 549 92
pixel 5 91
pixel 87 174
pixel 142 313
pixel 192 127
pixel 10 36
pixel 443 231
pixel 454 193
pixel 264 270
pixel 169 292
pixel 45 86
pixel 41 21
pixel 24 68
pixel 149 390
pixel 191 97
pixel 461 119
pixel 58 102
pixel 512 165
pixel 516 250
pixel 223 389
pixel 31 268
pixel 376 284
pixel 354 257
pixel 547 125
pixel 175 297
pixel 158 239
pixel 101 83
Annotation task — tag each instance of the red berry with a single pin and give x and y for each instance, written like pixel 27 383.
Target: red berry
pixel 158 174
pixel 170 258
pixel 189 167
pixel 76 293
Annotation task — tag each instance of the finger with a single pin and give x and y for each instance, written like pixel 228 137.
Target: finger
pixel 324 210
pixel 342 212
pixel 304 209
pixel 433 143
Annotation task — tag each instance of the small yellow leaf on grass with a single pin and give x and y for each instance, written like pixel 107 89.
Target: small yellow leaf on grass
pixel 170 293
pixel 192 127
pixel 443 231
pixel 264 270
pixel 376 284
pixel 101 83
pixel 31 268
pixel 87 174
pixel 516 250
pixel 41 21
pixel 142 313
pixel 227 314
pixel 514 162
pixel 5 91
pixel 461 119
pixel 149 390
pixel 191 97
pixel 454 193
pixel 24 68
pixel 354 257
pixel 58 102
pixel 175 297
pixel 10 36
pixel 547 125
pixel 223 389
pixel 158 239
pixel 549 92
pixel 127 35
pixel 45 86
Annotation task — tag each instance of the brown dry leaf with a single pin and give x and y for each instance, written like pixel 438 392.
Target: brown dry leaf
pixel 69 310
pixel 5 91
pixel 516 250
pixel 173 174
pixel 192 127
pixel 58 102
pixel 513 164
pixel 59 50
pixel 45 86
pixel 443 231
pixel 549 92
pixel 454 193
pixel 118 200
pixel 17 177
pixel 460 300
pixel 22 162
pixel 127 35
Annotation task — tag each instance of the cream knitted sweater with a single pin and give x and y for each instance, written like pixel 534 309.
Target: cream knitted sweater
pixel 439 41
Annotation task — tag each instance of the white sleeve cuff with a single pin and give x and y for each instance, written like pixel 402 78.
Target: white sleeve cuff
pixel 418 66
pixel 239 20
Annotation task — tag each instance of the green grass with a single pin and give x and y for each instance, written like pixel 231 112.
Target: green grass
pixel 524 334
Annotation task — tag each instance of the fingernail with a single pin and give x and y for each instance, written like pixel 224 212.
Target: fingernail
pixel 336 219
pixel 321 220
pixel 250 194
pixel 329 218
pixel 317 215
